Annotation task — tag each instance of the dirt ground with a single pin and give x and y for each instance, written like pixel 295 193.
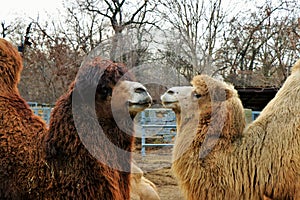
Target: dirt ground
pixel 156 166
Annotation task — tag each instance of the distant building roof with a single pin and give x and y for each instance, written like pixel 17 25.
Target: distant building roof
pixel 256 98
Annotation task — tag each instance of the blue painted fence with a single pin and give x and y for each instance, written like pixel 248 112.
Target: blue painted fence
pixel 42 110
pixel 255 114
pixel 158 122
pixel 162 123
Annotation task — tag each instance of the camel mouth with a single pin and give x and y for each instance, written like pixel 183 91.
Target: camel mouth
pixel 169 103
pixel 140 104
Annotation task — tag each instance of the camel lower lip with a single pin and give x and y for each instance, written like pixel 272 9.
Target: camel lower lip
pixel 168 103
pixel 140 104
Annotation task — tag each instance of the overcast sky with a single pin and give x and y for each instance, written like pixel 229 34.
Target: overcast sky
pixel 28 8
pixel 33 8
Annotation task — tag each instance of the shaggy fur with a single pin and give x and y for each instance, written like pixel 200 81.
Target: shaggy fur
pixel 215 109
pixel 271 146
pixel 261 163
pixel 83 131
pixel 141 187
pixel 37 163
pixel 21 172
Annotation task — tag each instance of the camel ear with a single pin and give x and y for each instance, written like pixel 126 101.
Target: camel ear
pixel 220 94
pixel 228 93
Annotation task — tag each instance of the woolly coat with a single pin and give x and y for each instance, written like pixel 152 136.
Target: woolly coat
pixel 37 163
pixel 81 135
pixel 217 113
pixel 261 162
pixel 21 132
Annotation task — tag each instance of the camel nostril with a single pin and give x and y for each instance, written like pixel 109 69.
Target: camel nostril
pixel 139 90
pixel 170 92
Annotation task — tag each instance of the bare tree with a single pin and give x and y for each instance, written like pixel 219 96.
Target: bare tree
pixel 58 49
pixel 9 29
pixel 84 29
pixel 115 12
pixel 5 29
pixel 255 47
pixel 196 25
pixel 59 46
pixel 122 15
pixel 14 30
pixel 50 63
pixel 259 51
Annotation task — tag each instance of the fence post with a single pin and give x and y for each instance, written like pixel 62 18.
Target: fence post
pixel 143 139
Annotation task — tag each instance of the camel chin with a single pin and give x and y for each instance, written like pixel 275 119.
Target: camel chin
pixel 138 106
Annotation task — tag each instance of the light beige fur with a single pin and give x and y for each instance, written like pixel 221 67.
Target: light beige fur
pixel 141 187
pixel 215 159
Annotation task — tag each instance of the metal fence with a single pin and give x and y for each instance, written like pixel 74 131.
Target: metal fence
pixel 162 123
pixel 154 123
pixel 42 110
pixel 157 123
pixel 255 114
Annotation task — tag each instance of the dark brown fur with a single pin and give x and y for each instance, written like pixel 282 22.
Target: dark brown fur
pixel 78 173
pixel 20 132
pixel 41 164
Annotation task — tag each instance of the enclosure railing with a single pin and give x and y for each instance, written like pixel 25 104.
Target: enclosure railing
pixel 161 123
pixel 156 124
pixel 42 110
pixel 255 114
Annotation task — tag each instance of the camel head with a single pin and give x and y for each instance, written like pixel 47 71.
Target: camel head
pixel 208 103
pixel 175 97
pixel 209 115
pixel 131 94
pixel 210 94
pixel 105 99
pixel 204 93
pixel 111 88
pixel 179 100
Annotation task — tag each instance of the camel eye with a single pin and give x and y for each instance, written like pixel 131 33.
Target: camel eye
pixel 197 95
